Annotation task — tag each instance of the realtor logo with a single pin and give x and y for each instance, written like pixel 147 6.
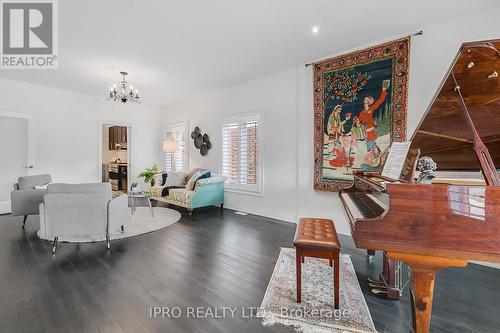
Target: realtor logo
pixel 29 34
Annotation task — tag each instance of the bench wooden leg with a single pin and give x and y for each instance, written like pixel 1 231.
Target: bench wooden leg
pixel 336 279
pixel 298 270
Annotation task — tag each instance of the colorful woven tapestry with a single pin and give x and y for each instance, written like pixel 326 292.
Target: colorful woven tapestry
pixel 360 102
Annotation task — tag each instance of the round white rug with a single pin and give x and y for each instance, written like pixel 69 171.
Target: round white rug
pixel 141 222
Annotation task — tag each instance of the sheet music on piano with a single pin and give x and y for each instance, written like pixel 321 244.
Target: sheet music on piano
pixel 396 160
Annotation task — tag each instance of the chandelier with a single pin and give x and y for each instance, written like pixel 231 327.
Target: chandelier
pixel 124 92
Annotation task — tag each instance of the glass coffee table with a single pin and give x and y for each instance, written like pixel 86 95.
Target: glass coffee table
pixel 141 196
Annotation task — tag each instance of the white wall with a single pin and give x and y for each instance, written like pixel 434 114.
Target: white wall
pixel 286 100
pixel 67 129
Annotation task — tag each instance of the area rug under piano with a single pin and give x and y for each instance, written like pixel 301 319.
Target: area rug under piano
pixel 316 313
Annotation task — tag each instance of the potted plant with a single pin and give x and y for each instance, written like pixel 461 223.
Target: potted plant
pixel 149 174
pixel 135 187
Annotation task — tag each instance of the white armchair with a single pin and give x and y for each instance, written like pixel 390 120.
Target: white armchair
pixel 71 210
pixel 25 199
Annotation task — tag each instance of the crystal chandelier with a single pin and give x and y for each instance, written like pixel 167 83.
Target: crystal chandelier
pixel 124 92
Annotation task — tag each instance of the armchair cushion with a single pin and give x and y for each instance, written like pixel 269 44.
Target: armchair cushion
pixel 80 188
pixel 29 182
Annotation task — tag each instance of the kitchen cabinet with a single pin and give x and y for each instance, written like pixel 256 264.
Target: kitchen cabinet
pixel 118 176
pixel 118 138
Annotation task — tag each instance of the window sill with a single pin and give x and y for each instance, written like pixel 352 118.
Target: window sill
pixel 243 191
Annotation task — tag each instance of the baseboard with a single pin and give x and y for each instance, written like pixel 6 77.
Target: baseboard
pixel 274 214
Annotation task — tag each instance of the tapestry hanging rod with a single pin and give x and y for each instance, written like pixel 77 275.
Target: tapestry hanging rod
pixel 419 33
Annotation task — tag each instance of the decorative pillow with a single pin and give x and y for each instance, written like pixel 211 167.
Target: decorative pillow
pixel 176 178
pixel 192 171
pixel 157 179
pixel 192 181
pixel 41 187
pixel 164 178
pixel 206 175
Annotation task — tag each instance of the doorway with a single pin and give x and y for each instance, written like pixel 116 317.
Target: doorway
pixel 115 151
pixel 16 150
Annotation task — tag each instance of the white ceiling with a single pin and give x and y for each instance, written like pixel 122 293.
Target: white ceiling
pixel 175 49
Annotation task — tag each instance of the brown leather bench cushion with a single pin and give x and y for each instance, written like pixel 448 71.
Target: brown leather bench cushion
pixel 316 233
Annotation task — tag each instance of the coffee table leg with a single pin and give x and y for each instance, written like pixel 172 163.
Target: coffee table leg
pixel 132 205
pixel 151 207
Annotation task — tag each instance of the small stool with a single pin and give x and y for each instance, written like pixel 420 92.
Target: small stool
pixel 317 238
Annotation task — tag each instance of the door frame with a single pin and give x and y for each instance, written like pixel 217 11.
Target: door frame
pixel 30 149
pixel 130 149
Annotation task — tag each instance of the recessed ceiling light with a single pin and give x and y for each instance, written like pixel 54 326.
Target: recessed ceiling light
pixel 315 30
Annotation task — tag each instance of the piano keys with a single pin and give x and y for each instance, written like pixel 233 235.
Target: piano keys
pixel 363 205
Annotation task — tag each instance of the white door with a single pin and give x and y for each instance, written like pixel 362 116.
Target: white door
pixel 13 155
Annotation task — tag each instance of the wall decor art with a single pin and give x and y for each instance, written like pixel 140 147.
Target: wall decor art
pixel 201 141
pixel 360 102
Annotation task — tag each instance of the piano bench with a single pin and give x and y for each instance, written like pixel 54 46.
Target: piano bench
pixel 317 238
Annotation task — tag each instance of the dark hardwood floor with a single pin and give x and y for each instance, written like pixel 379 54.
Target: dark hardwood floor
pixel 209 259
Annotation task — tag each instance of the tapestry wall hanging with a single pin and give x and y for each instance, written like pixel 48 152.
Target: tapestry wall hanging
pixel 360 102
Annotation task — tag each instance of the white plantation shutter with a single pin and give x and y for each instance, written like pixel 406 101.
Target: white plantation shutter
pixel 177 161
pixel 248 152
pixel 230 152
pixel 240 153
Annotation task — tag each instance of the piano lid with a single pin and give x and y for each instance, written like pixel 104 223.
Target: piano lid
pixel 443 133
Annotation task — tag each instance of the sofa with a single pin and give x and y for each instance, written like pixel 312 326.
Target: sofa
pixel 25 199
pixel 75 210
pixel 206 192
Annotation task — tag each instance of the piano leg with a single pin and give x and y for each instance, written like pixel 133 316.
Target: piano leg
pixel 423 273
pixel 423 292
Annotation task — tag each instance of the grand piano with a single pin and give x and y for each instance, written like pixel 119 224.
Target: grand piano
pixel 456 218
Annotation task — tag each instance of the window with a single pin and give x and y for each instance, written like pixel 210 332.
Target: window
pixel 241 151
pixel 178 160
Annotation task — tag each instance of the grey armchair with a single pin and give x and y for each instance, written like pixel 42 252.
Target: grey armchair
pixel 72 210
pixel 25 199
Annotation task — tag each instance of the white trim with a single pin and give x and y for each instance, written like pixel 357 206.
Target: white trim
pixel 130 148
pixel 237 189
pixel 165 126
pixel 30 151
pixel 256 210
pixel 258 189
